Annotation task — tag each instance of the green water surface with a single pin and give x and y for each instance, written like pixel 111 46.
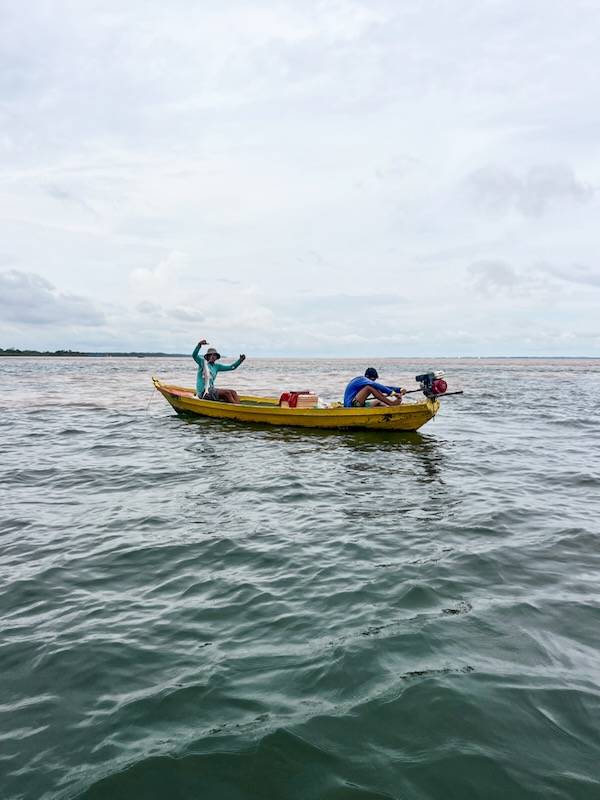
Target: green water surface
pixel 194 609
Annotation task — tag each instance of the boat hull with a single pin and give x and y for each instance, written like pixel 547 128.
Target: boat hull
pixel 266 411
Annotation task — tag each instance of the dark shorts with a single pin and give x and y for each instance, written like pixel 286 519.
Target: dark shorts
pixel 212 394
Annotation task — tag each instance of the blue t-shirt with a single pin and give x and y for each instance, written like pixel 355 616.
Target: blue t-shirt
pixel 356 384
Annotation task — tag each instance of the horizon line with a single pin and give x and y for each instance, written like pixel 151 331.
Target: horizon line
pixel 61 353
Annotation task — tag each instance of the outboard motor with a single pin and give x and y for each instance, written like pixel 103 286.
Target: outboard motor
pixel 432 383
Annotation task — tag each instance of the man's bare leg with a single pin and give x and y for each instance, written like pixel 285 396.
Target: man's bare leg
pixel 228 396
pixel 370 391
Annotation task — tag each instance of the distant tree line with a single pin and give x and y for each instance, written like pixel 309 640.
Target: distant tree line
pixel 14 351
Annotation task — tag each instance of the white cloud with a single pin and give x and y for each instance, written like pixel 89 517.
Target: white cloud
pixel 162 281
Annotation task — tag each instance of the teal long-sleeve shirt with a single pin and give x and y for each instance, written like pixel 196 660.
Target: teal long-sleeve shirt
pixel 208 372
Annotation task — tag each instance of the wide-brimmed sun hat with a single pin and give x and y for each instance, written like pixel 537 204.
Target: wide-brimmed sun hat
pixel 211 351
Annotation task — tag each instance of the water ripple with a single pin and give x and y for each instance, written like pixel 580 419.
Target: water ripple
pixel 192 609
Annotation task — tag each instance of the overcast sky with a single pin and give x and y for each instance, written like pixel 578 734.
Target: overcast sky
pixel 328 178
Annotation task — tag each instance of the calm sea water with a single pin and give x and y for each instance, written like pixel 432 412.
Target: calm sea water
pixel 193 609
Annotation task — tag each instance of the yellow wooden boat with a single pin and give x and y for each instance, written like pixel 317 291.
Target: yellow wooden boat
pixel 265 410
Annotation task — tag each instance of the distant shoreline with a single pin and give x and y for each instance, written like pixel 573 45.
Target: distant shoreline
pixel 12 353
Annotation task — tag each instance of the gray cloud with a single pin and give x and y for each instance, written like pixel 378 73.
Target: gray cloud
pixel 397 168
pixel 489 276
pixel 341 304
pixel 177 312
pixel 576 273
pixel 64 195
pixel 500 190
pixel 534 282
pixel 228 281
pixel 57 192
pixel 352 302
pixel 146 307
pixel 7 260
pixel 186 314
pixel 30 299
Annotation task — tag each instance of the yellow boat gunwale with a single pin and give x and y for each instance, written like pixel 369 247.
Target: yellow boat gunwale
pixel 266 410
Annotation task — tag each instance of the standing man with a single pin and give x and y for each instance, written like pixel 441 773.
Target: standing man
pixel 208 368
pixel 360 389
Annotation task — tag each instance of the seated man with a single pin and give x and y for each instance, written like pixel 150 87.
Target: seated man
pixel 360 389
pixel 207 372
